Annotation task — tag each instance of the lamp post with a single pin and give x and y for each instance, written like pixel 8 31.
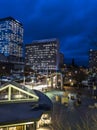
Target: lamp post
pixel 93 89
pixel 47 76
pixel 24 80
pixel 61 81
pixel 56 80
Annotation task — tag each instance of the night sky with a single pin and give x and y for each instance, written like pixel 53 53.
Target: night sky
pixel 73 22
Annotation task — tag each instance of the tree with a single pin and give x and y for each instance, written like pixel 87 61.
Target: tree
pixel 77 119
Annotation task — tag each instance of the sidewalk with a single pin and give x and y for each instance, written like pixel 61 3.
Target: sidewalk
pixel 45 128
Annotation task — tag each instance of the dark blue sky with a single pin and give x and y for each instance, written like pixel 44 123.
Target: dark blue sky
pixel 73 22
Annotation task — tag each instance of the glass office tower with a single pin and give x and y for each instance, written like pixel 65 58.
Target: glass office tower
pixel 11 37
pixel 43 54
pixel 11 41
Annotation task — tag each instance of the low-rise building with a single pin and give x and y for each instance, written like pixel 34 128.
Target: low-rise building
pixel 22 108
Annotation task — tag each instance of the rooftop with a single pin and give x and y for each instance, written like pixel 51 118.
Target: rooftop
pixel 10 18
pixel 22 112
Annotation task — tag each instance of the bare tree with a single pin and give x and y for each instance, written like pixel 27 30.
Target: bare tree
pixel 61 119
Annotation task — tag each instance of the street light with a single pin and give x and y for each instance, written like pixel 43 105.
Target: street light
pixel 71 82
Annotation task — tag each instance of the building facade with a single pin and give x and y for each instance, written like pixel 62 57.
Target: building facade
pixel 93 60
pixel 61 59
pixel 11 41
pixel 43 55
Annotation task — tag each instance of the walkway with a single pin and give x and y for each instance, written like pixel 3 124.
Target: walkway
pixel 45 128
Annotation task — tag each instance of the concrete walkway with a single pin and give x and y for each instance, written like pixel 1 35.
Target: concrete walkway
pixel 45 128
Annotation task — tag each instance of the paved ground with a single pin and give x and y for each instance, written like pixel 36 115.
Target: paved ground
pixel 74 114
pixel 45 128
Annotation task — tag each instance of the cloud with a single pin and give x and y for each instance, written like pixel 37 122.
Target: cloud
pixel 73 22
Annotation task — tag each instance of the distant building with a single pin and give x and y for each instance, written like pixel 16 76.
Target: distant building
pixel 43 55
pixel 73 62
pixel 61 59
pixel 11 42
pixel 93 60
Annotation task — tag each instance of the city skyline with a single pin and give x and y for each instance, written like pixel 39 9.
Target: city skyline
pixel 74 23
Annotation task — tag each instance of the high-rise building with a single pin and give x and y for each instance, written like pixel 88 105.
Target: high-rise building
pixel 93 60
pixel 43 54
pixel 11 40
pixel 11 37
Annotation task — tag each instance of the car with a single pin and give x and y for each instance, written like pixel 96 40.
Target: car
pixel 45 120
pixel 72 98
